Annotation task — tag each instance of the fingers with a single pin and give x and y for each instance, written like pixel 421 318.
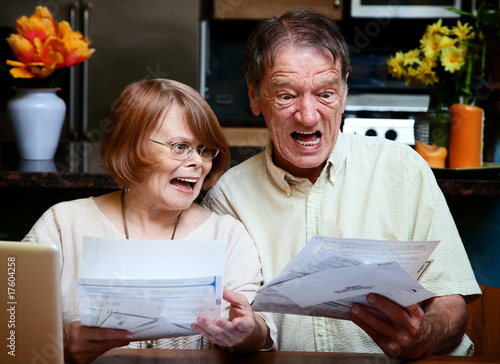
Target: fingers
pixel 392 327
pixel 242 332
pixel 235 299
pixel 377 327
pixel 98 334
pixel 393 311
pixel 219 331
pixel 240 307
pixel 405 321
pixel 83 344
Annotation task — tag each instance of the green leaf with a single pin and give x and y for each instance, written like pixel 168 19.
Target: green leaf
pixel 457 11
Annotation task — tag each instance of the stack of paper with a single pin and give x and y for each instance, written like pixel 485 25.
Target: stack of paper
pixel 329 275
pixel 154 289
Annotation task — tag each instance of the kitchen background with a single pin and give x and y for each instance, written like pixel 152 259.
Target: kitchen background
pixel 200 43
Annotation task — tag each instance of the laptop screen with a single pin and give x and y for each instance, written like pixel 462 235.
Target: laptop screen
pixel 30 318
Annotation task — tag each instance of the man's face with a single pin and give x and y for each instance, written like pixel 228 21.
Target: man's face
pixel 302 99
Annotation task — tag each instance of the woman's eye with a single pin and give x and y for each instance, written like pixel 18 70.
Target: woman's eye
pixel 179 147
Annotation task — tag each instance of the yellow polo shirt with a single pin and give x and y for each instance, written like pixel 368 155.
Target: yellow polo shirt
pixel 370 188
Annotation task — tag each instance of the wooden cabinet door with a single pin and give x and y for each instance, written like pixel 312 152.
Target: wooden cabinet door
pixel 258 9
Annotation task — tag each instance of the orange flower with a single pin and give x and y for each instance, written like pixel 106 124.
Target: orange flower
pixel 40 25
pixel 23 49
pixel 76 46
pixel 41 45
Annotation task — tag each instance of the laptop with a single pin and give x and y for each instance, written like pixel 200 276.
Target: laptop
pixel 30 313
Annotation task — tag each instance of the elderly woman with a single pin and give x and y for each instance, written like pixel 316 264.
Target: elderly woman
pixel 164 144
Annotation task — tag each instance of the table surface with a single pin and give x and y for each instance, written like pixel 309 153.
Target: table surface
pixel 151 356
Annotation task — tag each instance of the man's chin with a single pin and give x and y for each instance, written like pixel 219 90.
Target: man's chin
pixel 301 166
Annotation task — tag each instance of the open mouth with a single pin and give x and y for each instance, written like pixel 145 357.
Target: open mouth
pixel 307 139
pixel 184 184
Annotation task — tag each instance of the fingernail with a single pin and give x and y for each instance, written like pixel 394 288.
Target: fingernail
pixel 355 309
pixel 404 337
pixel 371 298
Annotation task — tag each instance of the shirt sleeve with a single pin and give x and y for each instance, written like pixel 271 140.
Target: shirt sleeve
pixel 450 272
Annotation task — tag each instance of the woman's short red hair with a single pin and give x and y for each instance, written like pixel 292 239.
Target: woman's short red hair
pixel 140 109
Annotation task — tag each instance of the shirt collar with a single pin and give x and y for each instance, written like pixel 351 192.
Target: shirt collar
pixel 335 163
pixel 337 159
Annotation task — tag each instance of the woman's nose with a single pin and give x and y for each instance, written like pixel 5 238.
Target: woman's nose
pixel 195 158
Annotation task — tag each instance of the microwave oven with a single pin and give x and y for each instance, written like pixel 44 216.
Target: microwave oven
pixel 404 8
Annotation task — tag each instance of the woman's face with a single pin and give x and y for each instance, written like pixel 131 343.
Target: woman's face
pixel 174 184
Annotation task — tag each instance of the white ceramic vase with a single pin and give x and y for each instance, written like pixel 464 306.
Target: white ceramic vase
pixel 37 117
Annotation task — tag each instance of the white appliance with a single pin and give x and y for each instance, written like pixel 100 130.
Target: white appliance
pixel 390 116
pixel 389 9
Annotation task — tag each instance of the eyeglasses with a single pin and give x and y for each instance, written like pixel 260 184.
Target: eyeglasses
pixel 182 150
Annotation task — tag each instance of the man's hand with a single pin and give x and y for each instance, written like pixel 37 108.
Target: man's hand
pixel 412 332
pixel 243 332
pixel 83 344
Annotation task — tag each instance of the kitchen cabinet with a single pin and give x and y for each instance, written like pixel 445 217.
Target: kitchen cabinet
pixel 258 9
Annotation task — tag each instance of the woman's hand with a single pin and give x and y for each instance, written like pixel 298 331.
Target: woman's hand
pixel 82 344
pixel 244 331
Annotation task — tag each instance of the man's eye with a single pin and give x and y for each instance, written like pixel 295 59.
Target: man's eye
pixel 286 97
pixel 326 95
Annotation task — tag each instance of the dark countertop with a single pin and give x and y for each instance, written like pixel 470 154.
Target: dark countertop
pixel 77 165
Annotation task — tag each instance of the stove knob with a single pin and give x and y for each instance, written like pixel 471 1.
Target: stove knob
pixel 371 132
pixel 391 134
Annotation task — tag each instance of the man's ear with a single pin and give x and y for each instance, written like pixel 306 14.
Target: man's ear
pixel 254 102
pixel 345 95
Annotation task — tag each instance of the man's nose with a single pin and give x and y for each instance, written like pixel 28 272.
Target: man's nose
pixel 307 113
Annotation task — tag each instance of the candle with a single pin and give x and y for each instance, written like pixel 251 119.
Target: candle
pixel 435 156
pixel 466 136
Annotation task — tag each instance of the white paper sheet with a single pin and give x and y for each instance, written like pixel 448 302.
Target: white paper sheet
pixel 331 274
pixel 154 289
pixel 151 259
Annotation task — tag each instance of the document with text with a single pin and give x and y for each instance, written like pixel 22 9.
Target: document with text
pixel 329 275
pixel 154 289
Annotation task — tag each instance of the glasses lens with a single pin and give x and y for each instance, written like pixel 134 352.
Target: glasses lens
pixel 181 150
pixel 208 153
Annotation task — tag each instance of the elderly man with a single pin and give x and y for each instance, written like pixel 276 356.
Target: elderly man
pixel 314 180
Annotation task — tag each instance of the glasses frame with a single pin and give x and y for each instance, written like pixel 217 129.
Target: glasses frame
pixel 199 150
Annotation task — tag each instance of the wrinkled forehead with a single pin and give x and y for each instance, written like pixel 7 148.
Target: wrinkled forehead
pixel 312 65
pixel 275 52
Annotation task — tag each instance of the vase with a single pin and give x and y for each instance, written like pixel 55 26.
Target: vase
pixel 466 138
pixel 37 117
pixel 433 126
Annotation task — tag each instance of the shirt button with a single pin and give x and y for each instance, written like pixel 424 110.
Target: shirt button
pixel 321 332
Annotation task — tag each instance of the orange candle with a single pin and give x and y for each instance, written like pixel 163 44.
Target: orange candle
pixel 435 156
pixel 466 136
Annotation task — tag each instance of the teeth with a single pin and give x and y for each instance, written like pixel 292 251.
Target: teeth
pixel 308 144
pixel 187 180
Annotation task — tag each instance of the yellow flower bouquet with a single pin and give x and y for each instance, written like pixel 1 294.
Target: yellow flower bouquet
pixel 450 60
pixel 45 49
pixel 437 61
